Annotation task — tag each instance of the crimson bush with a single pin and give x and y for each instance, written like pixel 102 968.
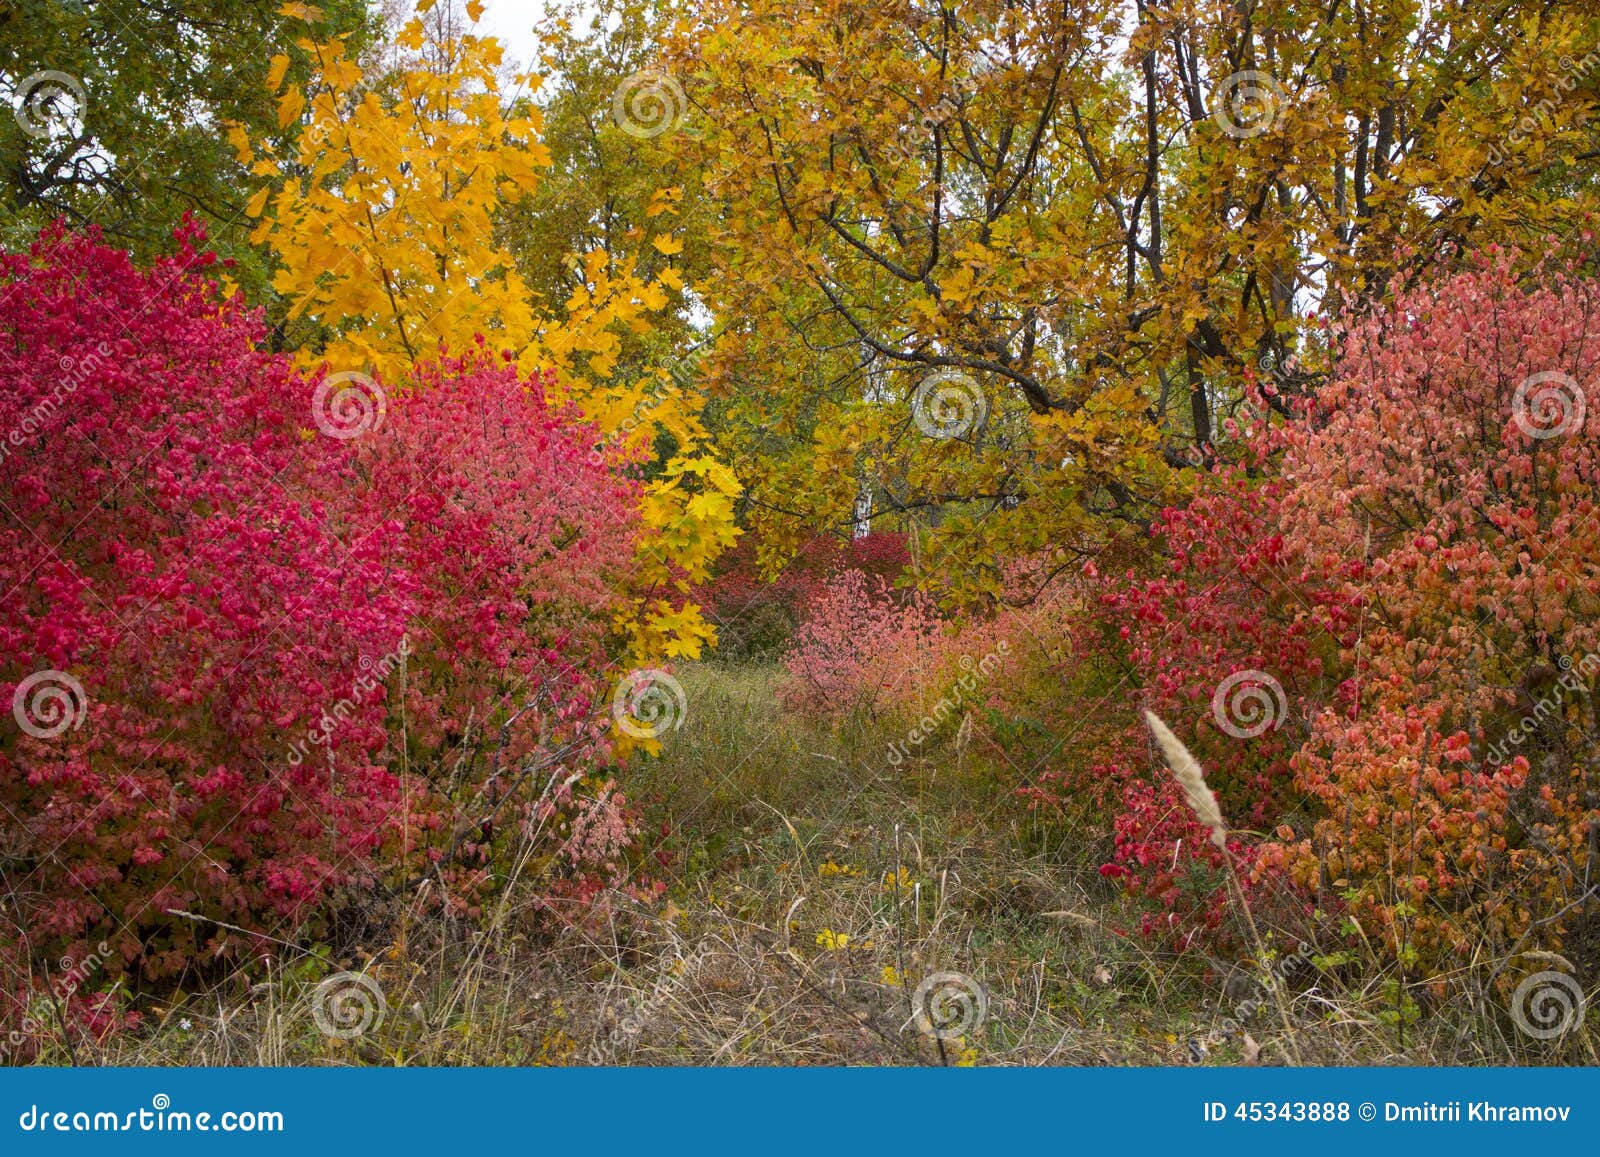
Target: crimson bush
pixel 259 655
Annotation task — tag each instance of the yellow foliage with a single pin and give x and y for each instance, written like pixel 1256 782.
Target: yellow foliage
pixel 383 223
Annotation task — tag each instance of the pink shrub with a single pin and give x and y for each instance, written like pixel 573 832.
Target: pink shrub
pixel 756 614
pixel 863 649
pixel 517 547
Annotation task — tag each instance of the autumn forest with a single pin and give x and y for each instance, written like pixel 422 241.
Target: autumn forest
pixel 872 532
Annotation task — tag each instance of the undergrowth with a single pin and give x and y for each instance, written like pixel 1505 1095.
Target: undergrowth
pixel 814 887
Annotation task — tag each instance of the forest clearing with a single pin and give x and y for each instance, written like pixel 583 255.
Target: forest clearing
pixel 958 534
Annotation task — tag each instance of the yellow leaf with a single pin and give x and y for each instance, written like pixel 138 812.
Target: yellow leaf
pixel 276 70
pixel 290 107
pixel 405 194
pixel 240 140
pixel 474 10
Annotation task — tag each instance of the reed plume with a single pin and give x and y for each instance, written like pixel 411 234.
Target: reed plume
pixel 1187 771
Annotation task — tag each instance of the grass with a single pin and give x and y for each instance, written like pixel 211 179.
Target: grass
pixel 814 887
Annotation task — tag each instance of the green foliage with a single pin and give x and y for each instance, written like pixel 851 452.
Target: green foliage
pixel 145 144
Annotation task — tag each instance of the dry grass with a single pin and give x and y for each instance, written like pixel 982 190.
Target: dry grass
pixel 814 887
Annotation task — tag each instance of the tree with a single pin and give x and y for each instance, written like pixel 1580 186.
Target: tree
pixel 118 105
pixel 613 182
pixel 1032 251
pixel 385 223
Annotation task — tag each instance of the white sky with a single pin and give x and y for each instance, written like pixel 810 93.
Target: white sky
pixel 512 21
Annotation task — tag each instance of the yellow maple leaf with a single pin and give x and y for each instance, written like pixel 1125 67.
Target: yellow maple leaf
pixel 275 71
pixel 240 140
pixel 290 107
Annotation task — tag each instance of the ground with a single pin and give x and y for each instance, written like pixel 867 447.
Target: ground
pixel 814 888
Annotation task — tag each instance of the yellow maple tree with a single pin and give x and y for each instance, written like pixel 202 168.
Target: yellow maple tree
pixel 382 218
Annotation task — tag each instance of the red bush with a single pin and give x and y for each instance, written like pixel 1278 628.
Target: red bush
pixel 1448 480
pixel 1215 642
pixel 757 614
pixel 517 546
pixel 206 606
pixel 861 648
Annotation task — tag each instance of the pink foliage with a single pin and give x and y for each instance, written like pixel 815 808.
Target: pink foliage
pixel 863 648
pixel 1447 481
pixel 755 612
